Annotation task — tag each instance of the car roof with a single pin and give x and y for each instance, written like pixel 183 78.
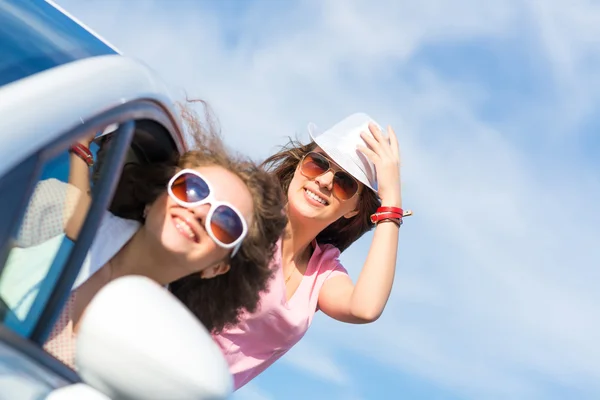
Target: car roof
pixel 36 110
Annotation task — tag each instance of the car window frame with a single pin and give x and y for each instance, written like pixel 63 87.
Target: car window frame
pixel 36 354
pixel 29 170
pixel 103 191
pixel 63 275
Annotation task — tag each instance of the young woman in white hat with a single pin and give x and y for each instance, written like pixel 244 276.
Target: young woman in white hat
pixel 341 185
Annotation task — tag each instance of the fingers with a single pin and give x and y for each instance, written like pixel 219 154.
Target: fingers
pixel 375 139
pixel 379 143
pixel 376 132
pixel 370 141
pixel 370 154
pixel 394 142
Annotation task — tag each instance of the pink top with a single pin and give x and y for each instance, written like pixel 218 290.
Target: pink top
pixel 262 338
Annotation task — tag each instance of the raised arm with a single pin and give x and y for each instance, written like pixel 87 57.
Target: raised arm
pixel 78 191
pixel 364 302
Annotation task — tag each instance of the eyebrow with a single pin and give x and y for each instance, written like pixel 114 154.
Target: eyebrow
pixel 361 186
pixel 331 161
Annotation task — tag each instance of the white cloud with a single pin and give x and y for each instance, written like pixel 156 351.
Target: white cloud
pixel 251 392
pixel 496 286
pixel 565 35
pixel 503 298
pixel 316 360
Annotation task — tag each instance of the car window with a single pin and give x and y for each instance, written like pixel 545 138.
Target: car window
pixel 35 36
pixel 45 238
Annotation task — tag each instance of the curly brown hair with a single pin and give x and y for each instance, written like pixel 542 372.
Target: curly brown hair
pixel 343 232
pixel 217 302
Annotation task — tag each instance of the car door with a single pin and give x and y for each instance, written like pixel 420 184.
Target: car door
pixel 58 83
pixel 38 261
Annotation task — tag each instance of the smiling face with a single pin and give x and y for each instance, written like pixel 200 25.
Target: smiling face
pixel 181 232
pixel 313 199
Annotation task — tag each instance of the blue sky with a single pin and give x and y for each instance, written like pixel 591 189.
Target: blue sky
pixel 495 105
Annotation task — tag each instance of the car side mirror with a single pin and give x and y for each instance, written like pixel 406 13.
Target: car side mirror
pixel 137 341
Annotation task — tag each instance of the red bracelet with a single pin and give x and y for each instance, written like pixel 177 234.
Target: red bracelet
pixel 398 210
pixel 82 152
pixel 396 221
pixel 378 217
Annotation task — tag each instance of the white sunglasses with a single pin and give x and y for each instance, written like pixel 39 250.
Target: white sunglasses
pixel 224 223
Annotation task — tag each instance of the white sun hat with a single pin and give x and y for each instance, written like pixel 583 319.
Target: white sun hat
pixel 340 143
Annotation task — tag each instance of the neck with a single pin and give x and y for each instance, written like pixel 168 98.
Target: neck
pixel 138 258
pixel 299 233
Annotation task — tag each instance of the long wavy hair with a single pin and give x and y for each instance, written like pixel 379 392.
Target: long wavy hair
pixel 218 302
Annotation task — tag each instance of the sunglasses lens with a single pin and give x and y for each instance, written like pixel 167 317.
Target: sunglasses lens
pixel 190 188
pixel 344 186
pixel 314 165
pixel 226 224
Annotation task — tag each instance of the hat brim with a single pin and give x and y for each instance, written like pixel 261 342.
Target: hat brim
pixel 339 158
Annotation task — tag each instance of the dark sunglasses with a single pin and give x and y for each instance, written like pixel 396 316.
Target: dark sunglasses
pixel 315 164
pixel 224 223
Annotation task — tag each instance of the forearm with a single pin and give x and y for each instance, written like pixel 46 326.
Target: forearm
pixel 374 284
pixel 79 173
pixel 372 290
pixel 79 178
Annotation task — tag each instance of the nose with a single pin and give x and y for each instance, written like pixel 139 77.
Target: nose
pixel 325 180
pixel 201 211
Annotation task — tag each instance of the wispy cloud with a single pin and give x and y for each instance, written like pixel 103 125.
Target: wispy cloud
pixel 494 102
pixel 251 392
pixel 312 358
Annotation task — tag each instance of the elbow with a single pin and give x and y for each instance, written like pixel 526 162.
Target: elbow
pixel 367 316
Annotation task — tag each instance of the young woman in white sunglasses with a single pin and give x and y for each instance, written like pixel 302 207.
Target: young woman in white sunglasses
pixel 210 217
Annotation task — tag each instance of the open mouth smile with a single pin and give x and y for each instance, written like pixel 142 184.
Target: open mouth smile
pixel 314 196
pixel 185 229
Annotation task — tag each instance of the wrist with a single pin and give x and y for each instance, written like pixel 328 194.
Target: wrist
pixel 388 202
pixel 82 152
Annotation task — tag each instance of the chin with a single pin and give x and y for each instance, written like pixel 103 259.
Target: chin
pixel 303 210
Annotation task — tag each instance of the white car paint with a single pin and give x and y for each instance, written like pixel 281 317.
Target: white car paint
pixel 37 109
pixel 34 112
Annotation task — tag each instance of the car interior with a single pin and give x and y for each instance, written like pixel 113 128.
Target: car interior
pixel 53 203
pixel 151 144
